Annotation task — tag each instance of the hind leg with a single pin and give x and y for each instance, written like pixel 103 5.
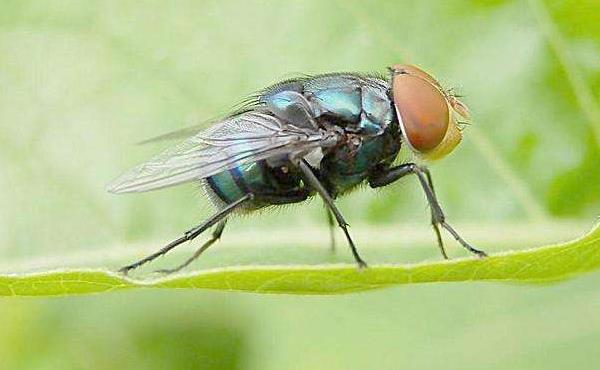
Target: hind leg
pixel 215 236
pixel 190 234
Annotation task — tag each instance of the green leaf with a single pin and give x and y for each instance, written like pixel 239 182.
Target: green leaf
pixel 541 264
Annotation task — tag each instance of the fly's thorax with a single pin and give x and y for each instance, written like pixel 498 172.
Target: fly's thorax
pixel 350 164
pixel 372 140
pixel 357 103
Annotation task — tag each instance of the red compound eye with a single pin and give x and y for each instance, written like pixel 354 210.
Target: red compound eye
pixel 416 71
pixel 421 106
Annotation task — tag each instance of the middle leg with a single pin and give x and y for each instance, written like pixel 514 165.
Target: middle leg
pixel 313 182
pixel 331 229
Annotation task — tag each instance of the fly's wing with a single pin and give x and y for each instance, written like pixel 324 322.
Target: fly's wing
pixel 243 106
pixel 174 135
pixel 247 137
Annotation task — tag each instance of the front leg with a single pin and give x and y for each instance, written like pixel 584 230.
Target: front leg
pixel 393 174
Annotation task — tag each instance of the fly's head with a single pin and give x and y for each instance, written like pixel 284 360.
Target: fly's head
pixel 428 114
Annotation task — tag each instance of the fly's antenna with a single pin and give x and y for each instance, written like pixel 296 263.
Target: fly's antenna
pixel 462 125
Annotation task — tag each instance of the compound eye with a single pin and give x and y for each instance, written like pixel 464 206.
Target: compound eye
pixel 422 110
pixel 415 71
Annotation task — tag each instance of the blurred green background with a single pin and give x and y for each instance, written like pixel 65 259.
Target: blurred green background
pixel 81 82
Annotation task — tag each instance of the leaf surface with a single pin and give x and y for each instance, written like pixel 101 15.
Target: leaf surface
pixel 540 264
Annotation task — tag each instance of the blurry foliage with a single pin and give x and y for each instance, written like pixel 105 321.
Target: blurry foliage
pixel 576 191
pixel 71 338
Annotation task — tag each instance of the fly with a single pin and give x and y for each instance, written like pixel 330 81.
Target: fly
pixel 315 135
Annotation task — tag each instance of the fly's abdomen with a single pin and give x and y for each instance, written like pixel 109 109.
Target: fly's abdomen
pixel 256 178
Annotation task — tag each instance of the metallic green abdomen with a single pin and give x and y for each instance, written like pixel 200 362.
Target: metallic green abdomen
pixel 257 178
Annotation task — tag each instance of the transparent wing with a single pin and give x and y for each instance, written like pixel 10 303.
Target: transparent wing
pixel 175 135
pixel 246 105
pixel 241 139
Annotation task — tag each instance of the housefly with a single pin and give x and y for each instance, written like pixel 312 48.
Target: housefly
pixel 313 135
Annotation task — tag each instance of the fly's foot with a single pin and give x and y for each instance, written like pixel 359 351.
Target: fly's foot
pixel 461 241
pixel 440 242
pixel 125 269
pixel 479 253
pixel 361 264
pixel 167 271
pixel 183 265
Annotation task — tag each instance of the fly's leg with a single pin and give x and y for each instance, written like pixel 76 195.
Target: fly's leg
pixel 395 173
pixel 437 215
pixel 313 182
pixel 331 229
pixel 215 236
pixel 190 234
pixel 300 196
pixel 434 223
pixel 291 197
